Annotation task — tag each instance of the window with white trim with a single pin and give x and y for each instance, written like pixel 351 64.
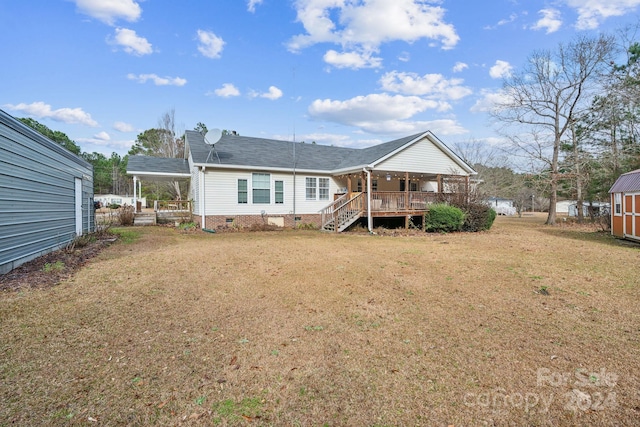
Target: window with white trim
pixel 617 201
pixel 310 188
pixel 261 189
pixel 323 188
pixel 242 191
pixel 279 192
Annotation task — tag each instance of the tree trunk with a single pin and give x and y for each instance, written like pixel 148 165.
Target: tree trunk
pixel 553 200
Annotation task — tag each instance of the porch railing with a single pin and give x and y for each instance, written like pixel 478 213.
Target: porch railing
pixel 172 205
pixel 397 201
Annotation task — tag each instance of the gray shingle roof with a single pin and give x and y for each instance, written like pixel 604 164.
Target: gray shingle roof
pixel 161 165
pixel 235 150
pixel 243 151
pixel 629 181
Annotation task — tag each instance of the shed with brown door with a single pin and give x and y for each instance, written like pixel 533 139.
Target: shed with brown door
pixel 625 202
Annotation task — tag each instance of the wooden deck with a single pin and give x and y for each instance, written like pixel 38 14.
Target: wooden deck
pixel 348 207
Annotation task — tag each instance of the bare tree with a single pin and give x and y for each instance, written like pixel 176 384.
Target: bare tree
pixel 172 146
pixel 542 101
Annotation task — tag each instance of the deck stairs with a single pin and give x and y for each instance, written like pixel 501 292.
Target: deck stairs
pixel 343 212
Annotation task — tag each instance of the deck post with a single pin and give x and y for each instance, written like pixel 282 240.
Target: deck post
pixel 406 192
pixel 135 194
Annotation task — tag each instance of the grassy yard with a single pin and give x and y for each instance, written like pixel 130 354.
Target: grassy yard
pixel 521 325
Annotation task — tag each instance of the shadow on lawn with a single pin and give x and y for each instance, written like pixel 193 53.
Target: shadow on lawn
pixel 595 236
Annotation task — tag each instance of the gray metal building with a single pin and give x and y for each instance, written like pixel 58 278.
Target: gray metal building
pixel 46 194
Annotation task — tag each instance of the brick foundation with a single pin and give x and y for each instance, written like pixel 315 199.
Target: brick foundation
pixel 221 222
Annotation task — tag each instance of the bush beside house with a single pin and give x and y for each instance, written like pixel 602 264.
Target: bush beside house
pixel 444 218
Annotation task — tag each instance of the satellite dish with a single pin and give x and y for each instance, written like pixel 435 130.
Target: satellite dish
pixel 213 136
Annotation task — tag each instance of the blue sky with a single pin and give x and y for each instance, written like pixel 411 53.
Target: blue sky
pixel 343 72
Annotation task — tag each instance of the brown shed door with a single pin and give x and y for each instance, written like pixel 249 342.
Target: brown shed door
pixel 636 214
pixel 628 214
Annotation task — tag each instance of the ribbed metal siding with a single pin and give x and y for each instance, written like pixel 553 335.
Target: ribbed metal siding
pixel 37 194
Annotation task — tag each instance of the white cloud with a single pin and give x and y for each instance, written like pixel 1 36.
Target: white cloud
pixel 108 11
pixel 364 26
pixel 404 57
pixel 273 94
pixel 550 21
pixel 378 113
pixel 251 5
pixel 502 22
pixel 123 127
pixel 157 80
pixel 210 45
pixel 459 66
pixel 434 86
pixel 131 42
pixel 353 60
pixel 108 144
pixel 592 12
pixel 102 136
pixel 41 110
pixel 227 90
pixel 488 101
pixel 500 69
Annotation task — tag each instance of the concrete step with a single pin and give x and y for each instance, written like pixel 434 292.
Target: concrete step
pixel 145 218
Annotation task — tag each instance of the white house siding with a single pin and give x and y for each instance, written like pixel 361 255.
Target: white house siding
pixel 421 157
pixel 221 194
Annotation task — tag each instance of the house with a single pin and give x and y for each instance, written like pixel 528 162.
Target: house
pixel 243 181
pixel 589 209
pixel 501 206
pixel 562 206
pixel 625 199
pixel 46 194
pixel 115 199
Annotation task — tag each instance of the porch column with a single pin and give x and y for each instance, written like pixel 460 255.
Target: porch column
pixel 406 199
pixel 439 184
pixel 135 194
pixel 349 185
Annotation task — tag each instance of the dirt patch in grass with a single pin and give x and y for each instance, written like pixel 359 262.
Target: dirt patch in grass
pixel 521 325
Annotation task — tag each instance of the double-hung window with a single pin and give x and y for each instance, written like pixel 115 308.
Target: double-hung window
pixel 311 189
pixel 242 191
pixel 617 201
pixel 261 188
pixel 323 188
pixel 317 188
pixel 279 192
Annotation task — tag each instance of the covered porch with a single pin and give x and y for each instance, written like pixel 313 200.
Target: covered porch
pixel 390 194
pixel 158 169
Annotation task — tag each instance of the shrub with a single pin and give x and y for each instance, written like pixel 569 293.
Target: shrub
pixel 126 215
pixel 443 218
pixel 477 216
pixel 114 206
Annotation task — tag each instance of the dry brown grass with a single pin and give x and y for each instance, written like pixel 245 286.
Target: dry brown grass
pixel 305 328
